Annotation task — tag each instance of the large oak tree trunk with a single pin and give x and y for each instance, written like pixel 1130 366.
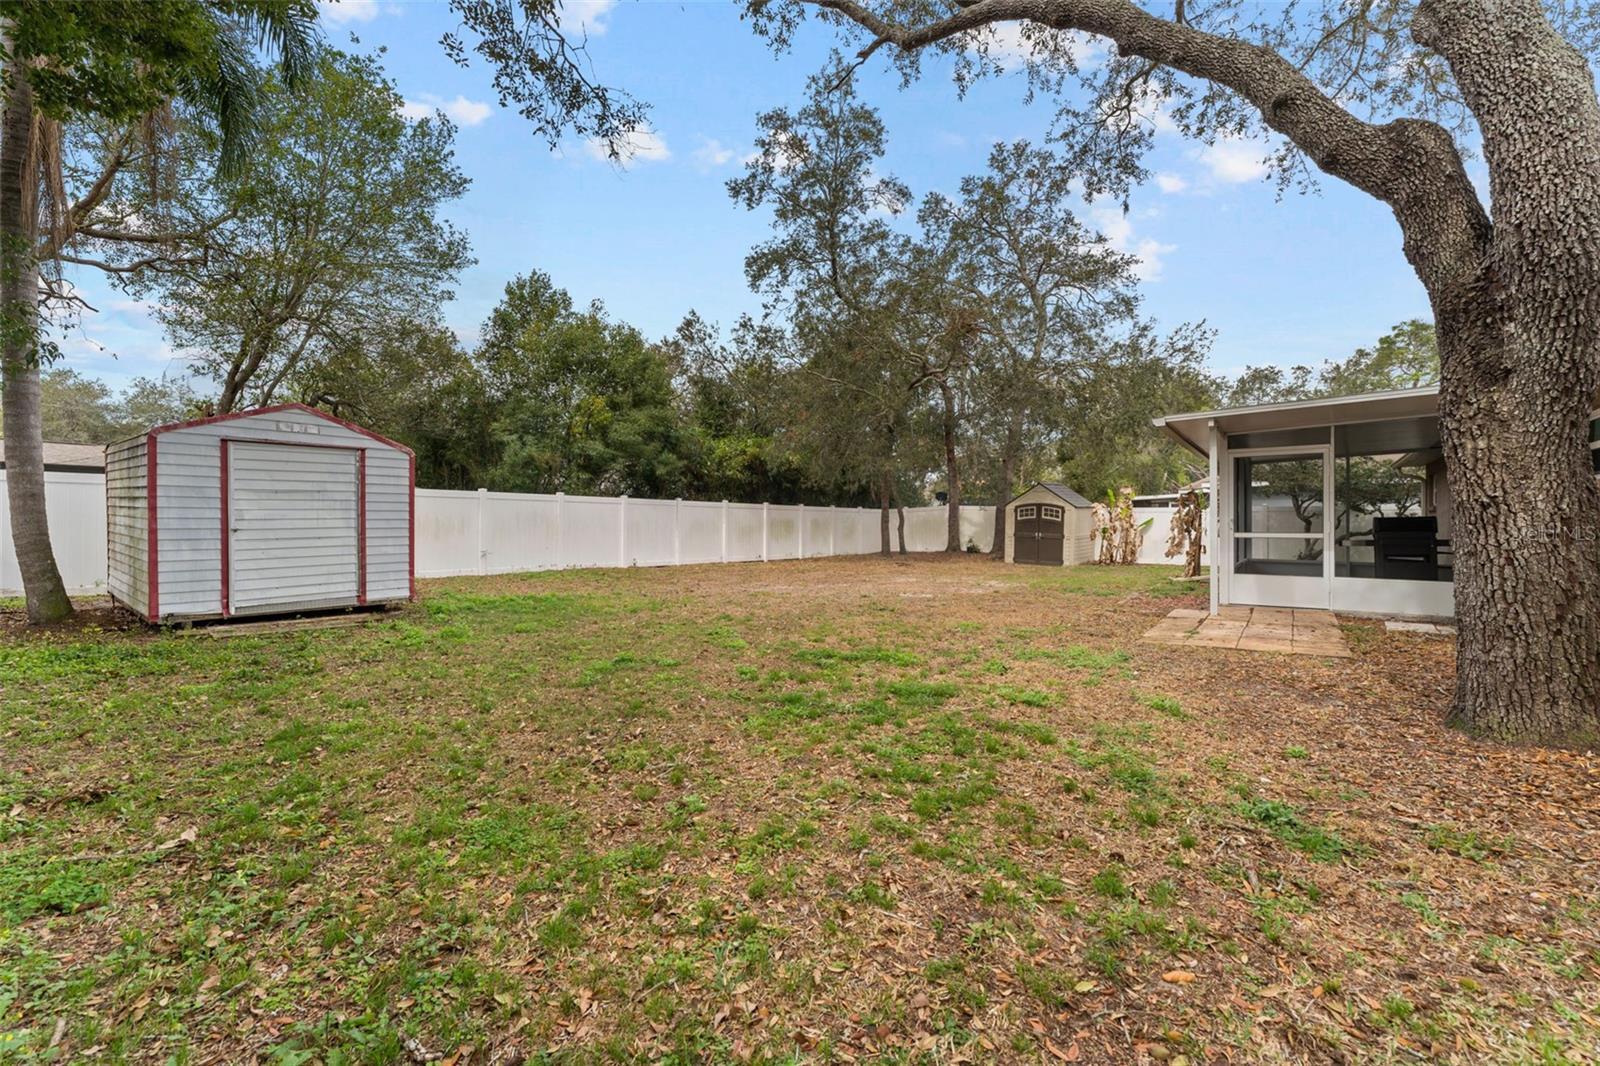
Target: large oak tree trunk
pixel 44 591
pixel 1520 344
pixel 1527 558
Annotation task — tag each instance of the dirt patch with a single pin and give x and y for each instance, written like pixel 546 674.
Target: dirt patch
pixel 91 616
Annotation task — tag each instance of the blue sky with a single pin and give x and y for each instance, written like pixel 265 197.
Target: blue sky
pixel 1283 281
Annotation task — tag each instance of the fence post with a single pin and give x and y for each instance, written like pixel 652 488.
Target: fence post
pixel 483 553
pixel 561 498
pixel 802 525
pixel 677 531
pixel 724 530
pixel 833 529
pixel 764 557
pixel 622 530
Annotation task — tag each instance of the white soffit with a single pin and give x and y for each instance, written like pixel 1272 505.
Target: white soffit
pixel 1193 429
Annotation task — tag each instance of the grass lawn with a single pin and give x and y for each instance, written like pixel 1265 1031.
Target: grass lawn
pixel 924 810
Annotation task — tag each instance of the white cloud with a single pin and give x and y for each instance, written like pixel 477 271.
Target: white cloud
pixel 638 146
pixel 1112 221
pixel 1011 49
pixel 1170 183
pixel 585 18
pixel 784 156
pixel 1234 160
pixel 1150 253
pixel 341 12
pixel 461 111
pixel 712 153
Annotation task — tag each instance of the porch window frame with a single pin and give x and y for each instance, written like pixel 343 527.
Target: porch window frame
pixel 1228 468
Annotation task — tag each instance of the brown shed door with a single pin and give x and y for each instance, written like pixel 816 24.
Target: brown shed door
pixel 1052 534
pixel 1027 550
pixel 1041 534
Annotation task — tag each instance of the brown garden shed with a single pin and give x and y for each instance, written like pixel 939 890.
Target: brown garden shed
pixel 1048 525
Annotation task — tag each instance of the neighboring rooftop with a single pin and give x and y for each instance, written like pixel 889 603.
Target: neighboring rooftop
pixel 60 455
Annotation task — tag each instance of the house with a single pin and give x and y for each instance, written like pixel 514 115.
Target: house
pixel 67 458
pixel 1048 525
pixel 1338 503
pixel 1157 500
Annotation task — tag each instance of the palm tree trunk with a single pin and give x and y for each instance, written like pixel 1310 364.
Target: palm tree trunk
pixel 45 592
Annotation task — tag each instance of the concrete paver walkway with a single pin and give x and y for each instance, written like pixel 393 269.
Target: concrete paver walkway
pixel 1277 629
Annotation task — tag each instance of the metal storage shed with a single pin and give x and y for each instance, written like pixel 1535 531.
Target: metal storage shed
pixel 1048 525
pixel 277 509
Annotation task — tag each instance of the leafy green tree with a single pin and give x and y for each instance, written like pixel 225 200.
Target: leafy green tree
pixel 76 408
pixel 84 409
pixel 119 63
pixel 1106 440
pixel 1271 384
pixel 583 404
pixel 1048 295
pixel 1407 357
pixel 411 381
pixel 732 393
pixel 837 271
pixel 333 233
pixel 150 402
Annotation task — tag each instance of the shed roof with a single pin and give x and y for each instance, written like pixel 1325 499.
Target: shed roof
pixel 1193 429
pixel 61 455
pixel 1056 488
pixel 256 412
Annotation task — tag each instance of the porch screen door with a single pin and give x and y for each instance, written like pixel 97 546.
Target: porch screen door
pixel 1282 527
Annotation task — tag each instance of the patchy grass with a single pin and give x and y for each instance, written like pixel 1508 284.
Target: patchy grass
pixel 1283 821
pixel 797 812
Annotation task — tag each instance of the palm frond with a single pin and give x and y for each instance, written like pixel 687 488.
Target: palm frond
pixel 287 29
pixel 230 89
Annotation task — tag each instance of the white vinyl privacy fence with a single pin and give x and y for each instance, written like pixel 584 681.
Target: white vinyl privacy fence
pixel 504 532
pixel 1154 548
pixel 76 507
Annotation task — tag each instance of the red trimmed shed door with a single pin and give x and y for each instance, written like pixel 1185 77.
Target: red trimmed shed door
pixel 292 526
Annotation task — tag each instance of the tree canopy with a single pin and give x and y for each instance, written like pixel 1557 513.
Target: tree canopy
pixel 333 232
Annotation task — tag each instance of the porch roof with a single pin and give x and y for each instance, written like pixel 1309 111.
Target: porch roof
pixel 1193 429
